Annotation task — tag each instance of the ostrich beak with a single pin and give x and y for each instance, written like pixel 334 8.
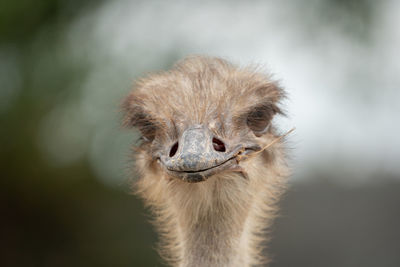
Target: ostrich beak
pixel 199 154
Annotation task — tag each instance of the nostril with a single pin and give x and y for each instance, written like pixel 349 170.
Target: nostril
pixel 173 150
pixel 218 145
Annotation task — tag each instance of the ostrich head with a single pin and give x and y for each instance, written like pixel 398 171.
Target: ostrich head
pixel 202 164
pixel 197 119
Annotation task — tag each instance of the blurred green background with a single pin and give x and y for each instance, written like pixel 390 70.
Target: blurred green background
pixel 65 162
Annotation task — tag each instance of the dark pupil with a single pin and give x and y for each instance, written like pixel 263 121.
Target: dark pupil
pixel 257 120
pixel 258 114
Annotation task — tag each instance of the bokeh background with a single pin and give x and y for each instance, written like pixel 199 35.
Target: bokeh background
pixel 64 159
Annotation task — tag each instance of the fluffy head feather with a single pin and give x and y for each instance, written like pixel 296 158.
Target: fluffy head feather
pixel 218 222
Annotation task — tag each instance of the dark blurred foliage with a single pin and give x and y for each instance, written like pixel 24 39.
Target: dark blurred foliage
pixel 63 216
pixel 56 216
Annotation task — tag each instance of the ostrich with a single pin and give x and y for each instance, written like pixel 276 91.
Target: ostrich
pixel 203 168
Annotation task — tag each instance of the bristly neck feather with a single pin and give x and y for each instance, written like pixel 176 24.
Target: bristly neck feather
pixel 218 222
pixel 211 217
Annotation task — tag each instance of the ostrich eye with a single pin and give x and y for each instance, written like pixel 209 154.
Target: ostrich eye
pixel 259 119
pixel 145 124
pixel 148 130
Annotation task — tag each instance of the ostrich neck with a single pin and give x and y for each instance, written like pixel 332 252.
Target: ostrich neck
pixel 214 226
pixel 214 243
